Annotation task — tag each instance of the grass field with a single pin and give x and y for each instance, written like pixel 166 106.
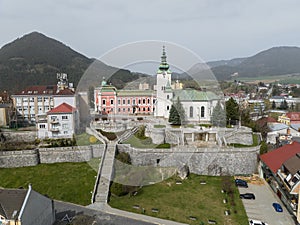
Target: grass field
pixel 71 182
pixel 286 79
pixel 179 202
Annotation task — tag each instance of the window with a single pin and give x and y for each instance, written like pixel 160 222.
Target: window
pixel 139 101
pixel 202 111
pixel 123 109
pixel 128 101
pixel 64 117
pixel 42 126
pixel 103 102
pixel 148 100
pixel 111 101
pixel 144 101
pixel 65 132
pixel 119 101
pixel 168 107
pixel 168 96
pixel 128 109
pixel 191 112
pixel 144 109
pixel 65 126
pixel 53 117
pixel 124 101
pixel 133 101
pixel 119 109
pixel 148 109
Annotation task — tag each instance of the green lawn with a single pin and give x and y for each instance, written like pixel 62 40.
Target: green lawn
pixel 179 202
pixel 140 143
pixel 71 182
pixel 86 139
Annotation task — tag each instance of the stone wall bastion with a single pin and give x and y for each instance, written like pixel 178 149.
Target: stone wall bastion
pixel 203 161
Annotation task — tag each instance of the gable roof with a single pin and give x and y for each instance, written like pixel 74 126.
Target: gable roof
pixel 62 108
pixel 11 201
pixel 277 157
pixel 194 95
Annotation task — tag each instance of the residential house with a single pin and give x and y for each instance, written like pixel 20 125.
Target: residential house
pixel 59 122
pixel 281 167
pixel 25 207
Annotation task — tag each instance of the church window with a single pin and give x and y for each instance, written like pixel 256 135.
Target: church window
pixel 168 107
pixel 202 111
pixel 168 96
pixel 191 112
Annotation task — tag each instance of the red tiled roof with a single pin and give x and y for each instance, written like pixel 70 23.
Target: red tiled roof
pixel 62 108
pixel 276 158
pixel 65 91
pixel 294 116
pixel 38 90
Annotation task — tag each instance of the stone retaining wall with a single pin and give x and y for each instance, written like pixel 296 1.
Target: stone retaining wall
pixel 20 136
pixel 9 159
pixel 205 161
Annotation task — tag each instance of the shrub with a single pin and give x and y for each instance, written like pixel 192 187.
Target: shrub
pixel 164 145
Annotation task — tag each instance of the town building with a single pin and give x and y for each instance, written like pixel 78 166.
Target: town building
pixel 281 167
pixel 5 109
pixel 25 207
pixel 39 99
pixel 198 105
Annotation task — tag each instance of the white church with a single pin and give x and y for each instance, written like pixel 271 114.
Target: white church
pixel 198 105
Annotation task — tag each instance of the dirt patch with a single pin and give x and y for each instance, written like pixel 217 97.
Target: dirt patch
pixel 253 179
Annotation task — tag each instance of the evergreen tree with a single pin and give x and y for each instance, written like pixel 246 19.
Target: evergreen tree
pixel 273 105
pixel 232 111
pixel 177 114
pixel 218 117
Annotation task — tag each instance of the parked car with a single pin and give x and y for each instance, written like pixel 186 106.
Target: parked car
pixel 277 207
pixel 241 183
pixel 247 196
pixel 256 222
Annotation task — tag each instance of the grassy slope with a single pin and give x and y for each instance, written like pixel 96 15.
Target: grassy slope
pixel 71 182
pixel 180 201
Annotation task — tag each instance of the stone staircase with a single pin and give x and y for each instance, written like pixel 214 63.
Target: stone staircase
pixel 105 174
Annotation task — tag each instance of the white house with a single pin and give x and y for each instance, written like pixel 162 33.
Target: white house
pixel 60 122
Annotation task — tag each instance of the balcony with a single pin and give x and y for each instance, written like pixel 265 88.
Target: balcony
pixel 54 121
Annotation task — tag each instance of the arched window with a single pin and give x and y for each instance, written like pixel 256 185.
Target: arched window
pixel 202 111
pixel 191 112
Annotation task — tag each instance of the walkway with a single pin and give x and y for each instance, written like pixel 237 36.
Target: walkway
pixel 104 178
pixel 105 174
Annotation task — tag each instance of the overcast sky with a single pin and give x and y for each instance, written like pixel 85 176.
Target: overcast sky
pixel 213 29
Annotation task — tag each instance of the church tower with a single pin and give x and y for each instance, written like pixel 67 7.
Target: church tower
pixel 163 88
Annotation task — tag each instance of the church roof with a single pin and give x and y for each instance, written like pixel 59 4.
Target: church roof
pixel 195 95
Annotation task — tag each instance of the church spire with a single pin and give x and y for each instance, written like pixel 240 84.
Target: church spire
pixel 164 65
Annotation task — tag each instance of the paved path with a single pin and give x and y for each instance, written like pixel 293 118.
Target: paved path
pixel 134 216
pixel 105 174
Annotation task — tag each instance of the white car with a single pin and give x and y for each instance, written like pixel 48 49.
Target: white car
pixel 256 222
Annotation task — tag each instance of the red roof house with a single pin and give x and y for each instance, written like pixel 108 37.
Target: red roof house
pixel 276 158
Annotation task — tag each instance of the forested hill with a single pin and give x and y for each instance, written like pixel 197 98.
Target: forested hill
pixel 35 59
pixel 274 61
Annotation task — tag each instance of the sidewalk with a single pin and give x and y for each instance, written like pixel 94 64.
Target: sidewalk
pixel 107 209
